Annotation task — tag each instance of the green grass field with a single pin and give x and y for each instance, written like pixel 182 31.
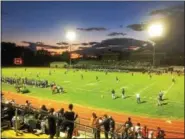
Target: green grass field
pixel 87 92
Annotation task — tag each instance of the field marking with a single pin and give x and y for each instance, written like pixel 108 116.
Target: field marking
pixel 66 81
pixel 145 88
pixel 154 100
pixel 165 92
pixel 92 83
pixel 124 87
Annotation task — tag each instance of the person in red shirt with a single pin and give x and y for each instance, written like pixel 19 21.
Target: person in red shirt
pixel 158 132
pixel 145 132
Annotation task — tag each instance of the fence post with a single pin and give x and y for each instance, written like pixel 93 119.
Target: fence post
pixel 16 124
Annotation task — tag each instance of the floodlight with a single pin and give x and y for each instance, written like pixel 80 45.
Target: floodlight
pixel 155 30
pixel 71 35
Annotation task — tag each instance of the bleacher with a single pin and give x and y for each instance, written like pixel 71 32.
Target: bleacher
pixel 110 64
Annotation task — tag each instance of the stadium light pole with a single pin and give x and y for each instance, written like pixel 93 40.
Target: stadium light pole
pixel 155 30
pixel 71 36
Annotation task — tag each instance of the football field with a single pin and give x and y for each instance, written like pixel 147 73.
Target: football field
pixel 89 92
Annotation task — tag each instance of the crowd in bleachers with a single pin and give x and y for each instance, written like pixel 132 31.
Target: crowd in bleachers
pixel 64 122
pixel 112 64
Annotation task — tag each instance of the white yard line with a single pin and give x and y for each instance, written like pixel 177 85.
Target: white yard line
pixel 93 83
pixel 165 92
pixel 145 88
pixel 66 81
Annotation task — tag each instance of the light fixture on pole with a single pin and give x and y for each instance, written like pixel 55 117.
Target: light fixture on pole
pixel 155 30
pixel 71 36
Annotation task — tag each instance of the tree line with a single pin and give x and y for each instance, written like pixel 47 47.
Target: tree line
pixel 42 57
pixel 9 51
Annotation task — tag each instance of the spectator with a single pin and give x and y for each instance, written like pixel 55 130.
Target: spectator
pixel 92 119
pixel 145 132
pixel 44 125
pixel 129 122
pixel 12 101
pixel 112 127
pixel 60 116
pixel 5 121
pixel 10 112
pixel 95 124
pixel 97 127
pixel 125 132
pixel 75 131
pixel 28 104
pixel 139 133
pixel 70 117
pixel 151 134
pixel 43 108
pixel 160 133
pixel 130 134
pixel 106 125
pixel 137 127
pixel 20 121
pixel 30 122
pixel 51 124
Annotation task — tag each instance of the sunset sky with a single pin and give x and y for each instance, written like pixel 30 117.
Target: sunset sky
pixel 48 22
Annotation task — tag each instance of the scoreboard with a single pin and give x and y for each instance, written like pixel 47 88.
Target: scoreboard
pixel 18 61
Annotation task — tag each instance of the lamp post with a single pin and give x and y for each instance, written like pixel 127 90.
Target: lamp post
pixel 153 44
pixel 71 36
pixel 155 30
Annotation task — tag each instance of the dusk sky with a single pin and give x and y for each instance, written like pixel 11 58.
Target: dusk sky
pixel 48 22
